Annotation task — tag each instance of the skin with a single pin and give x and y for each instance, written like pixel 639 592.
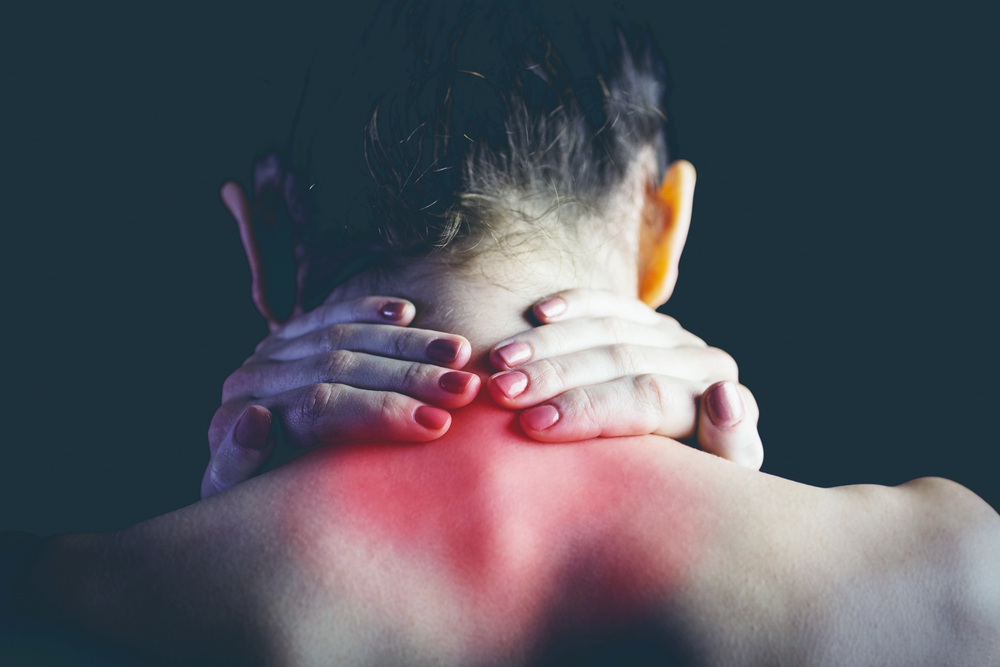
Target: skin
pixel 333 374
pixel 486 547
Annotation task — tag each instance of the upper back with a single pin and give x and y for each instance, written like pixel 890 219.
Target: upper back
pixel 487 547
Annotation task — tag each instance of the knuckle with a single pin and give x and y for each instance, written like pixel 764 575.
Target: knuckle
pixel 623 359
pixel 315 402
pixel 654 400
pixel 651 392
pixel 617 328
pixel 549 337
pixel 390 408
pixel 413 376
pixel 549 373
pixel 724 362
pixel 582 404
pixel 403 341
pixel 333 337
pixel 335 364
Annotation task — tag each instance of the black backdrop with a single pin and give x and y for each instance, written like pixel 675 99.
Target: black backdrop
pixel 841 249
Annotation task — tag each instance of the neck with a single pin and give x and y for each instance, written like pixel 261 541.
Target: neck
pixel 489 298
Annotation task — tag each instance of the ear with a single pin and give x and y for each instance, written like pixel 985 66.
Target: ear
pixel 235 200
pixel 666 216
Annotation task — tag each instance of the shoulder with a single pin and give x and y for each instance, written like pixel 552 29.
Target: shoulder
pixel 853 575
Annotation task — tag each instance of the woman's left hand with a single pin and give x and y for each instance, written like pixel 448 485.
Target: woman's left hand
pixel 604 366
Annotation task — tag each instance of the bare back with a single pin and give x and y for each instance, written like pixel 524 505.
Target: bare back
pixel 484 547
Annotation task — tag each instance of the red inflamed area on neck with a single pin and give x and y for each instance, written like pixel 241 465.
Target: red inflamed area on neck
pixel 512 532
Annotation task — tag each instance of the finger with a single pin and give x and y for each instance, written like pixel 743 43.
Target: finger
pixel 388 341
pixel 562 338
pixel 638 405
pixel 538 381
pixel 334 413
pixel 581 303
pixel 235 200
pixel 242 453
pixel 447 388
pixel 375 309
pixel 727 424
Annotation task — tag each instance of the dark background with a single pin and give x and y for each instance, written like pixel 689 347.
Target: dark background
pixel 842 247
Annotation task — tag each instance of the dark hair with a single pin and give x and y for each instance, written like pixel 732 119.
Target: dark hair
pixel 489 114
pixel 497 112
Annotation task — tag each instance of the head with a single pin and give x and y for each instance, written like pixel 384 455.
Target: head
pixel 504 161
pixel 515 161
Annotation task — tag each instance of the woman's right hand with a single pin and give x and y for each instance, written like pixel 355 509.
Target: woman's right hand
pixel 606 366
pixel 341 372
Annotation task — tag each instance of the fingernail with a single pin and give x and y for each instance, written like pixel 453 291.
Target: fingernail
pixel 433 419
pixel 253 429
pixel 393 310
pixel 511 384
pixel 552 307
pixel 725 406
pixel 444 350
pixel 455 382
pixel 541 417
pixel 515 353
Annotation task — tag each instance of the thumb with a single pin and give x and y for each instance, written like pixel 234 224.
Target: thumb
pixel 242 453
pixel 727 424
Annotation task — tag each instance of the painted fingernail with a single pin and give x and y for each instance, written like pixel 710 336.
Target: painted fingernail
pixel 444 350
pixel 433 419
pixel 552 307
pixel 455 382
pixel 515 353
pixel 541 417
pixel 511 384
pixel 393 310
pixel 725 407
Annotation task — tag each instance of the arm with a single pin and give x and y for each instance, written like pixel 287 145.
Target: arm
pixel 855 575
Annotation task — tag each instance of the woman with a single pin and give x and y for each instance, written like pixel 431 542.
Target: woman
pixel 483 546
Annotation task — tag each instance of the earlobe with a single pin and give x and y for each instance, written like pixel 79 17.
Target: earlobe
pixel 666 216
